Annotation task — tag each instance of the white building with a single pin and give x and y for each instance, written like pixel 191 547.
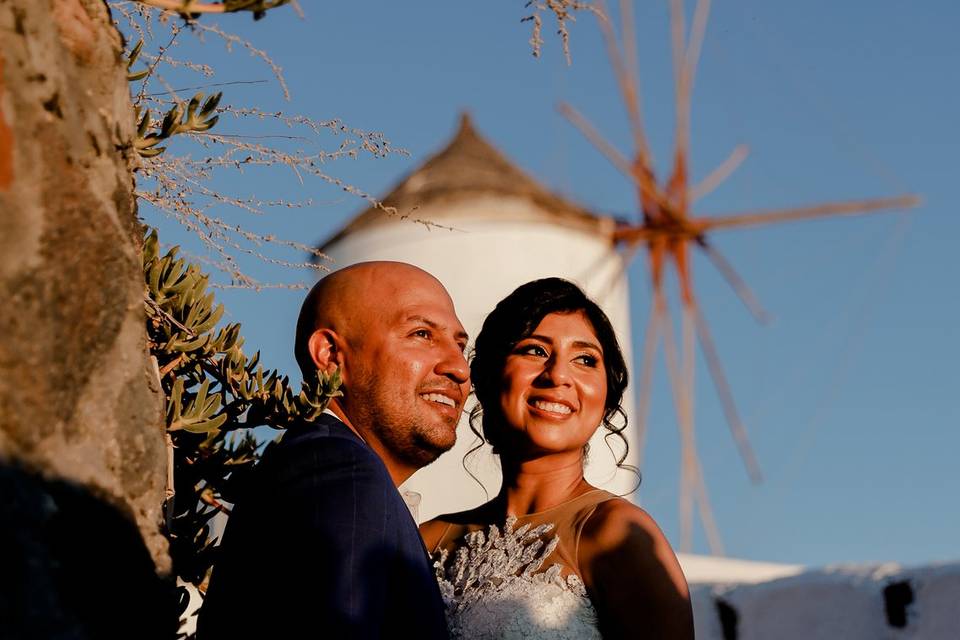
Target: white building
pixel 494 228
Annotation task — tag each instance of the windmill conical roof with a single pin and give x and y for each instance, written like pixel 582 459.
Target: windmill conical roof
pixel 470 167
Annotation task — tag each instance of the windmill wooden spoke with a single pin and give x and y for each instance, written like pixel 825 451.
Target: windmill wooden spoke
pixel 687 495
pixel 629 38
pixel 697 33
pixel 720 174
pixel 680 73
pixel 687 345
pixel 852 208
pixel 675 378
pixel 645 387
pixel 605 286
pixel 616 158
pixel 669 349
pixel 680 255
pixel 680 373
pixel 634 234
pixel 687 425
pixel 619 271
pixel 706 514
pixel 692 484
pixel 737 283
pixel 696 492
pixel 627 84
pixel 678 395
pixel 678 47
pixel 737 429
pixel 685 59
pixel 589 132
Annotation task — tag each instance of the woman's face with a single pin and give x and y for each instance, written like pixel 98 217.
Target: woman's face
pixel 554 385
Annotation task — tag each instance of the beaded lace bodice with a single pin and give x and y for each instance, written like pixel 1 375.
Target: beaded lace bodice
pixel 519 580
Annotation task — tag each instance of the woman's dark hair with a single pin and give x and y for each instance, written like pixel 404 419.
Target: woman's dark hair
pixel 515 318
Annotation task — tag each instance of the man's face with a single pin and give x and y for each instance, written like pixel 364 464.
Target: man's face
pixel 406 377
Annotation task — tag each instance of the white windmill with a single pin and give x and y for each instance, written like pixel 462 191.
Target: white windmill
pixel 493 229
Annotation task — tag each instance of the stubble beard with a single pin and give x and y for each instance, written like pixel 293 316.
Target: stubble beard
pixel 409 432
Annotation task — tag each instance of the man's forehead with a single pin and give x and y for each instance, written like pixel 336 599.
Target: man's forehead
pixel 438 314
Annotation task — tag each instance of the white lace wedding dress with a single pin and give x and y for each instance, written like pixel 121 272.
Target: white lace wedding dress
pixel 518 581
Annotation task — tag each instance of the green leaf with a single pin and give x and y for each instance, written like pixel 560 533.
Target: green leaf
pixel 206 426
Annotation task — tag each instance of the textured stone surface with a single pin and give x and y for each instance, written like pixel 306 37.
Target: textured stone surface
pixel 75 566
pixel 78 398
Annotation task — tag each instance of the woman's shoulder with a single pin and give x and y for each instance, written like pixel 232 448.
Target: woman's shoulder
pixel 623 554
pixel 616 518
pixel 620 528
pixel 435 530
pixel 619 537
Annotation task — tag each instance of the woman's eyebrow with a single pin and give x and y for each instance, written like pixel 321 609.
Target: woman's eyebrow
pixel 576 344
pixel 582 344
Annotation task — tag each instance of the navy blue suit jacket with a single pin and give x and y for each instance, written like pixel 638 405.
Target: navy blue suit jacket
pixel 320 544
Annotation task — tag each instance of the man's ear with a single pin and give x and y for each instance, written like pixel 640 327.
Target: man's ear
pixel 325 351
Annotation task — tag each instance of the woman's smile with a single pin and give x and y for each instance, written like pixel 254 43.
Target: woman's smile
pixel 551 408
pixel 555 377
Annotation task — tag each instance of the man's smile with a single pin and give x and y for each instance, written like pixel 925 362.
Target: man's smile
pixel 440 398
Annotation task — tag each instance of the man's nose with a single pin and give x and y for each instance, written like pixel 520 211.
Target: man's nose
pixel 454 365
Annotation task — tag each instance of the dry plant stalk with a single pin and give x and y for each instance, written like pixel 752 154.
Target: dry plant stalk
pixel 562 10
pixel 182 186
pixel 189 8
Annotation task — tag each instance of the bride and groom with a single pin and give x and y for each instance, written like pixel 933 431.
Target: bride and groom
pixel 323 545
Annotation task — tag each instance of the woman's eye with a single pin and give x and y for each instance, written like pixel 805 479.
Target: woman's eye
pixel 422 333
pixel 533 350
pixel 590 361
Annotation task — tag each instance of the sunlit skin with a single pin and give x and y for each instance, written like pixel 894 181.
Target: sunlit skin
pixel 399 348
pixel 554 388
pixel 552 400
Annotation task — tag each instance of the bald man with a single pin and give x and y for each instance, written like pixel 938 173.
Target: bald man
pixel 322 545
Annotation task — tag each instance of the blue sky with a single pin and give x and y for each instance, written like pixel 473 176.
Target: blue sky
pixel 849 395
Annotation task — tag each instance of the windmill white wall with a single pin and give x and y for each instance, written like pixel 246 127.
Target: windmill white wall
pixel 499 243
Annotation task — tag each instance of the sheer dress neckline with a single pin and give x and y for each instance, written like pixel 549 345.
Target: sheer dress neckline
pixel 517 577
pixel 559 505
